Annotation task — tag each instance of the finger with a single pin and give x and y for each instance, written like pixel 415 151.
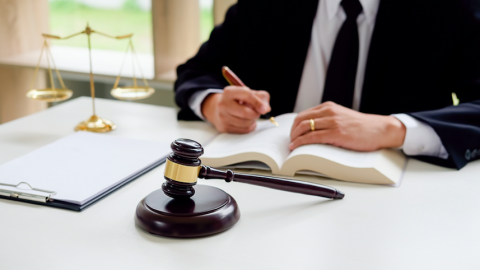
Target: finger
pixel 264 95
pixel 233 108
pixel 323 110
pixel 324 104
pixel 321 105
pixel 234 121
pixel 305 126
pixel 239 130
pixel 323 136
pixel 246 95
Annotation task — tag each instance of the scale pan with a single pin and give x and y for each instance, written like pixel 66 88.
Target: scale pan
pixel 49 94
pixel 132 92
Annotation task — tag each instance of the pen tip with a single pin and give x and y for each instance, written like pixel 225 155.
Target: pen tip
pixel 272 119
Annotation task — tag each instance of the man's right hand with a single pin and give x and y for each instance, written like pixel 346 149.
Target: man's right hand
pixel 236 109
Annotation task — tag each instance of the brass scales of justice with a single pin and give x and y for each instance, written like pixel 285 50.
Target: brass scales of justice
pixel 52 94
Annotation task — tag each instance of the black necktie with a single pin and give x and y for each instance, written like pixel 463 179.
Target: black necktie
pixel 342 69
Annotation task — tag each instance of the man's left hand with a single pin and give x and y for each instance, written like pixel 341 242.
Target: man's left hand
pixel 344 127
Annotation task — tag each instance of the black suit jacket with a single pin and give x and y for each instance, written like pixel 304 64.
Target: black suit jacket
pixel 420 52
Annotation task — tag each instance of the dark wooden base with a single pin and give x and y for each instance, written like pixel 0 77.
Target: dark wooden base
pixel 209 211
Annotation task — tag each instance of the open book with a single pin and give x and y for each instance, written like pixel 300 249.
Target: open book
pixel 267 147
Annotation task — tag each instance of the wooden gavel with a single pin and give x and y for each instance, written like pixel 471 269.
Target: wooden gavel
pixel 183 168
pixel 211 210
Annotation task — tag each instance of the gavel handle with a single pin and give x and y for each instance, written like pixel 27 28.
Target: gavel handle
pixel 272 182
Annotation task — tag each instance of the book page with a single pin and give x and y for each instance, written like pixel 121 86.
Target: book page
pixel 339 155
pixel 379 167
pixel 267 140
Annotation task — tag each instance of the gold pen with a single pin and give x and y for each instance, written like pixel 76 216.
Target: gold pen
pixel 233 79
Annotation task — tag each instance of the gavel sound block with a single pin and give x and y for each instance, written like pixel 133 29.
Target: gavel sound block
pixel 180 210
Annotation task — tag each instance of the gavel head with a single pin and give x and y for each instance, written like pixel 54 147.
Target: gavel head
pixel 182 168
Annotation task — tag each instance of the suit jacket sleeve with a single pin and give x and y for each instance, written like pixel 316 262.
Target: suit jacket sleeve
pixel 459 130
pixel 203 71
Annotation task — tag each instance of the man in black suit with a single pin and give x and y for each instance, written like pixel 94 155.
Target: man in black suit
pixel 367 74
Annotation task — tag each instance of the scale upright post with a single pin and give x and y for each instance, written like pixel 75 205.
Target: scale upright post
pixel 94 123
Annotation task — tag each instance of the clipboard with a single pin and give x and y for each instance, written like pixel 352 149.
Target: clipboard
pixel 112 161
pixel 47 200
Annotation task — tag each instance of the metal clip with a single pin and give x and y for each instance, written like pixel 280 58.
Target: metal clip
pixel 26 195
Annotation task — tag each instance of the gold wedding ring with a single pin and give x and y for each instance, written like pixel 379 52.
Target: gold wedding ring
pixel 312 125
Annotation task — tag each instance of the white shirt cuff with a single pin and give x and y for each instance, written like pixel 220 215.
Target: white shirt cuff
pixel 196 100
pixel 421 138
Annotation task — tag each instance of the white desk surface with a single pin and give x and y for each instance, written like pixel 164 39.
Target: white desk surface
pixel 431 221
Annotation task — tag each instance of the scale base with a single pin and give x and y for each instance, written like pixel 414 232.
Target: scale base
pixel 209 211
pixel 96 124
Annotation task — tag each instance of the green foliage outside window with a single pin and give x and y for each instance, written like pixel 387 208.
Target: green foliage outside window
pixel 68 17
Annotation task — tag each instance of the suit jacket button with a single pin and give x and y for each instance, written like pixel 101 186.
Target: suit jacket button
pixel 474 153
pixel 467 154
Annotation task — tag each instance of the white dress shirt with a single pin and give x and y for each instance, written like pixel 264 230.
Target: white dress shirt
pixel 420 138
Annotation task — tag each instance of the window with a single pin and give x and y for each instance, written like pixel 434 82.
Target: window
pixel 206 19
pixel 112 17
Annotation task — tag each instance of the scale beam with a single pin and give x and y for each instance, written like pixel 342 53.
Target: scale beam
pixel 94 123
